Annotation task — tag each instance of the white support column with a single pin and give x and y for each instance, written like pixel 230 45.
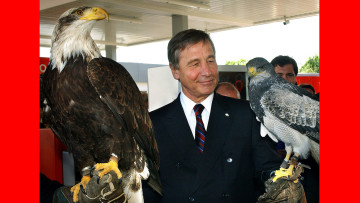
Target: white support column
pixel 179 23
pixel 110 35
pixel 110 51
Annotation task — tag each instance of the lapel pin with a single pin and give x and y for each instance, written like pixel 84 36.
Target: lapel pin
pixel 226 114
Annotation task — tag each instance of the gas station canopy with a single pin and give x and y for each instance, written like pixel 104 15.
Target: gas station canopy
pixel 142 21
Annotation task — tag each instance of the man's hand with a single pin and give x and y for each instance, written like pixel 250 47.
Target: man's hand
pixel 284 189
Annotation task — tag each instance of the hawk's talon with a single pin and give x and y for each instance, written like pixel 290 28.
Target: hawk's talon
pixel 282 172
pixel 304 165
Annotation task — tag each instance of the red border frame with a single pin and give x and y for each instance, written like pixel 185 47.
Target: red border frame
pixel 20 101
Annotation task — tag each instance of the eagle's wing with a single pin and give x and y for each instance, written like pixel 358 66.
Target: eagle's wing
pixel 294 108
pixel 119 92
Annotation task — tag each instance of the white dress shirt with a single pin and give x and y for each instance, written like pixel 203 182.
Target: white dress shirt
pixel 188 107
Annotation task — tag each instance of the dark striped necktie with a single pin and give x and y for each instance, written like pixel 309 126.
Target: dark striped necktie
pixel 200 128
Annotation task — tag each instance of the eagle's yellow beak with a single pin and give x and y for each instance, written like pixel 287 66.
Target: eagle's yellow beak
pixel 95 13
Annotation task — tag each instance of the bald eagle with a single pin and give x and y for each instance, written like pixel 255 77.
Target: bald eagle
pixel 286 112
pixel 95 108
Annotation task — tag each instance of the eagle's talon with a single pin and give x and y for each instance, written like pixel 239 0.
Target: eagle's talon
pixel 76 188
pixel 98 179
pixel 82 189
pixel 75 192
pixel 107 167
pixel 92 169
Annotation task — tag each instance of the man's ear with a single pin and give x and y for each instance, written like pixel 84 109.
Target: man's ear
pixel 175 72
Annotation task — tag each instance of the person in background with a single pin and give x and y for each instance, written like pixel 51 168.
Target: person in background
pixel 308 88
pixel 48 188
pixel 210 145
pixel 227 89
pixel 286 67
pixel 317 96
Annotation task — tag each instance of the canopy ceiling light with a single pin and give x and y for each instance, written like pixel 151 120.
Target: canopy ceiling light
pixel 193 4
pixel 286 21
pixel 125 19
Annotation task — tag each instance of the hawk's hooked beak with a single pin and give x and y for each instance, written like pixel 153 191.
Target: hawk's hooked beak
pixel 252 71
pixel 95 13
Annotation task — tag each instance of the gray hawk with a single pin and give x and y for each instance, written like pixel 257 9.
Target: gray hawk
pixel 287 112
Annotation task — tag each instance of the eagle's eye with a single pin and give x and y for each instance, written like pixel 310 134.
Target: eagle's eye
pixel 79 12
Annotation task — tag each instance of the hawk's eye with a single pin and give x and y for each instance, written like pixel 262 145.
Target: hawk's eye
pixel 79 12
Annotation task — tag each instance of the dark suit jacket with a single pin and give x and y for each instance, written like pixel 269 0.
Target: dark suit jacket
pixel 234 154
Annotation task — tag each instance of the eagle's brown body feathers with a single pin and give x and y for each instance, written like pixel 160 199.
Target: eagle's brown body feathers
pixel 95 108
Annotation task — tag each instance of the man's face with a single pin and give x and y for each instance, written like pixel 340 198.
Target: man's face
pixel 198 73
pixel 287 72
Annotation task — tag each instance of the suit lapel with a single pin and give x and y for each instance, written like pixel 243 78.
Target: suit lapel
pixel 217 132
pixel 181 135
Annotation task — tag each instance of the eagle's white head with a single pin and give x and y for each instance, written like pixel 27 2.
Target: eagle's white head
pixel 71 35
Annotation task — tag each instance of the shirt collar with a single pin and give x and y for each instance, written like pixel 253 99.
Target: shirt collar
pixel 188 104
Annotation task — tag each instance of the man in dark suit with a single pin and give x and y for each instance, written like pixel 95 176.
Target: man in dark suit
pixel 215 154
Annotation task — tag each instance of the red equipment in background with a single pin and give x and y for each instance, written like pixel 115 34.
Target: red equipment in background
pixel 309 78
pixel 50 147
pixel 44 61
pixel 51 155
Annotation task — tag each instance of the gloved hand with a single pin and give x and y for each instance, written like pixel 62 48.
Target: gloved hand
pixel 106 189
pixel 284 190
